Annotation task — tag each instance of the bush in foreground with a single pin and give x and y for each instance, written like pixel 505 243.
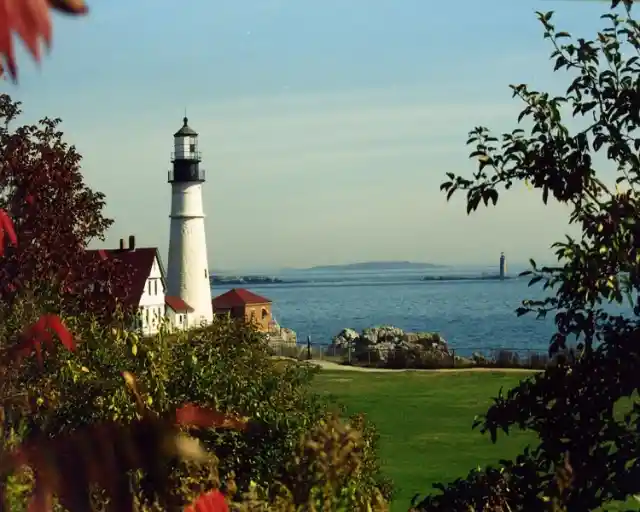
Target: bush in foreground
pixel 224 367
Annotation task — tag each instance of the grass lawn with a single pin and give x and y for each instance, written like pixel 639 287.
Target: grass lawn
pixel 424 420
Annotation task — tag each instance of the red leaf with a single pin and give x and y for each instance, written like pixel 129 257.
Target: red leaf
pixel 41 333
pixel 6 227
pixel 39 326
pixel 200 417
pixel 66 338
pixel 7 224
pixel 30 21
pixel 213 501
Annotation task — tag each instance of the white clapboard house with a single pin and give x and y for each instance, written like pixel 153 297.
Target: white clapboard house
pixel 147 289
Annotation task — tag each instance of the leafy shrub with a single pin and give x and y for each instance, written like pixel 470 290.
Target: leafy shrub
pixel 331 470
pixel 224 366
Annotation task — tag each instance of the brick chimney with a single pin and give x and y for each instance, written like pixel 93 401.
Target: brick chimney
pixel 132 242
pixel 122 244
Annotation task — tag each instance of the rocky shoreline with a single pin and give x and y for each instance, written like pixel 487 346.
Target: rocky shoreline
pixel 382 344
pixel 391 347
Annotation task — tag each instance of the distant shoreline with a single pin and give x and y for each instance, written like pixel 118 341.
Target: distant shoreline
pixel 469 278
pixel 266 280
pixel 246 280
pixel 377 265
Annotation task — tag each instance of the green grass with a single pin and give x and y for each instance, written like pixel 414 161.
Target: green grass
pixel 424 420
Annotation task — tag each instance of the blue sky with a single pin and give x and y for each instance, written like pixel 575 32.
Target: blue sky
pixel 326 126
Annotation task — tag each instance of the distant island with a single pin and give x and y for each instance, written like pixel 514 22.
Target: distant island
pixel 224 280
pixel 378 265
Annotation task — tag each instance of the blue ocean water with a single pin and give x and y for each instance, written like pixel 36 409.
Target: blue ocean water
pixel 472 315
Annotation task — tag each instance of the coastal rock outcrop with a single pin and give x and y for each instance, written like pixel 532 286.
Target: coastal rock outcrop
pixel 387 344
pixel 278 334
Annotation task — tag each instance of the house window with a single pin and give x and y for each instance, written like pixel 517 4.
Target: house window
pixel 146 315
pixel 155 286
pixel 205 273
pixel 149 286
pixel 265 313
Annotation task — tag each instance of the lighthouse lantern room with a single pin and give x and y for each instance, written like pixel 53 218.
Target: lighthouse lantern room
pixel 188 269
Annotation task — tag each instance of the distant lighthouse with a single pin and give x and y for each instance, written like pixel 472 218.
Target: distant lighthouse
pixel 503 266
pixel 188 269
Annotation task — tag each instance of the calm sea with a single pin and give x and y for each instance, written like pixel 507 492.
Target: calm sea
pixel 470 314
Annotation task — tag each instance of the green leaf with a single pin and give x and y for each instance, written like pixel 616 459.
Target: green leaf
pixel 534 280
pixel 561 62
pixel 472 202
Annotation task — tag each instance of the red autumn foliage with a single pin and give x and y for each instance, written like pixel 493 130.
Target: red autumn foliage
pixel 6 229
pixel 55 216
pixel 30 20
pixel 42 333
pixel 195 416
pixel 213 501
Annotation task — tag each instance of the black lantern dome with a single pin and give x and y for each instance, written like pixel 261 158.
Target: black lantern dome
pixel 185 157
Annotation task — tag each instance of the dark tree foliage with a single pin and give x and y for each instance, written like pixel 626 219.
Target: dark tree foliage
pixel 55 216
pixel 575 408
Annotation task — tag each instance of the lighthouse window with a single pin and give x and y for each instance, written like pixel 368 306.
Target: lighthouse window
pixel 192 148
pixel 205 273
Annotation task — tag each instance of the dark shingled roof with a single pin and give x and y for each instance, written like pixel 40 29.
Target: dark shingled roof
pixel 137 263
pixel 237 297
pixel 186 130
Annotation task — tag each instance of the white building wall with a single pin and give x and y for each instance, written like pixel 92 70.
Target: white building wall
pixel 177 321
pixel 187 269
pixel 152 305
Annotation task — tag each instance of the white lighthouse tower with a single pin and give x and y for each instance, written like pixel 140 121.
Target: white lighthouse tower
pixel 188 269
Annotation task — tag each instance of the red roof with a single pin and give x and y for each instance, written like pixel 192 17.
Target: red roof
pixel 177 304
pixel 137 263
pixel 237 297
